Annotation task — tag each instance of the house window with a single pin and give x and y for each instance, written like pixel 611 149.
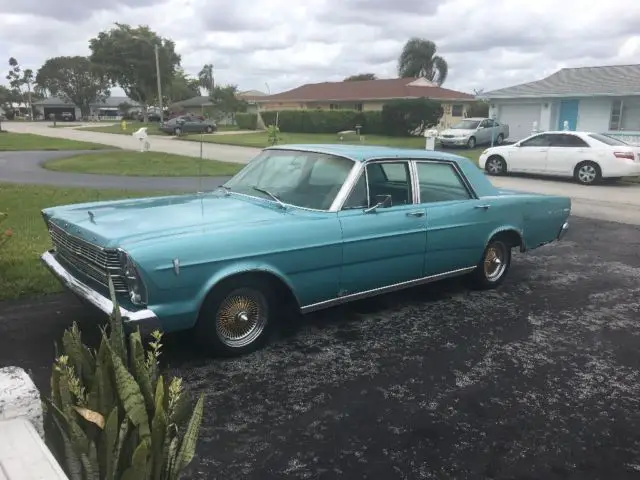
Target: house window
pixel 457 110
pixel 358 107
pixel 334 106
pixel 615 120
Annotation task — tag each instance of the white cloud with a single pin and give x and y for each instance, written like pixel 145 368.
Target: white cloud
pixel 487 44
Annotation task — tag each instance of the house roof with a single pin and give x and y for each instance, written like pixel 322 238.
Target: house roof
pixel 612 80
pixel 204 101
pixel 384 89
pixel 109 102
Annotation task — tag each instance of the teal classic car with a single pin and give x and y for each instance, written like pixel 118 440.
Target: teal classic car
pixel 303 226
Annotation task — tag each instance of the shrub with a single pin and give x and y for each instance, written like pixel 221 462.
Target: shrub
pixel 247 121
pixel 324 121
pixel 273 134
pixel 111 414
pixel 410 116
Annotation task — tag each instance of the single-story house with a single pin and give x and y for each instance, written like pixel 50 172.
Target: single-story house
pixel 369 95
pixel 600 99
pixel 200 104
pixel 107 108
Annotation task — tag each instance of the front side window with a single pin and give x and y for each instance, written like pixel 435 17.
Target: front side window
pixel 439 182
pixel 537 141
pixel 303 179
pixel 466 125
pixel 390 179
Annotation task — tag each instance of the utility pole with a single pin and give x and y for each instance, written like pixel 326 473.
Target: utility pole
pixel 159 84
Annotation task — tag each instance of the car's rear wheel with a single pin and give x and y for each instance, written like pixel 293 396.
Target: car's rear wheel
pixel 209 129
pixel 494 265
pixel 499 139
pixel 177 131
pixel 495 165
pixel 471 143
pixel 587 173
pixel 236 317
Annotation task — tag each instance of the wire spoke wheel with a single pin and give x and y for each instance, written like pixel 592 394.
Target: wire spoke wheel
pixel 495 262
pixel 241 317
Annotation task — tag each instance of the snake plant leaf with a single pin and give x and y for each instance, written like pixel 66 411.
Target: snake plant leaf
pixel 71 458
pixel 117 336
pixel 181 411
pixel 109 443
pixel 188 445
pixel 139 368
pixel 122 436
pixel 63 390
pixel 55 386
pixel 158 431
pixel 103 378
pixel 131 397
pixel 90 463
pixel 91 416
pixel 171 458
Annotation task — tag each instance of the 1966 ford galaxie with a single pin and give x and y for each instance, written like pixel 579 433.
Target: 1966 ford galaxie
pixel 309 226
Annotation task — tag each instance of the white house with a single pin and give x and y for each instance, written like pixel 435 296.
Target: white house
pixel 599 99
pixel 57 106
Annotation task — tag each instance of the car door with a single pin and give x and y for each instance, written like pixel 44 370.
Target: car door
pixel 384 246
pixel 565 151
pixel 483 134
pixel 530 155
pixel 458 223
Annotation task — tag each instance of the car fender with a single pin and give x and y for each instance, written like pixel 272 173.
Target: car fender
pixel 240 268
pixel 508 228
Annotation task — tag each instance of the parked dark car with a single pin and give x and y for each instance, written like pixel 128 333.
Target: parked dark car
pixel 152 117
pixel 67 116
pixel 188 124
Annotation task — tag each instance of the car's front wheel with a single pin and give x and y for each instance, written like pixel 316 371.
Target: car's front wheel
pixel 209 129
pixel 494 265
pixel 471 143
pixel 495 165
pixel 500 139
pixel 587 173
pixel 177 131
pixel 236 317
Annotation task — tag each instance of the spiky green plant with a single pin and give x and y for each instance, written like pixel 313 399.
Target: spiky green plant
pixel 273 134
pixel 112 415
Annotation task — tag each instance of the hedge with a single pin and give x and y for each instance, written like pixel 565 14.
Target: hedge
pixel 247 121
pixel 325 121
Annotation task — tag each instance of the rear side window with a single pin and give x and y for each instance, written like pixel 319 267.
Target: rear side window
pixel 567 140
pixel 439 182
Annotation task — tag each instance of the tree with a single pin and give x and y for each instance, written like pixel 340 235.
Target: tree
pixel 127 57
pixel 206 79
pixel 361 76
pixel 182 87
pixel 226 102
pixel 74 79
pixel 419 59
pixel 21 79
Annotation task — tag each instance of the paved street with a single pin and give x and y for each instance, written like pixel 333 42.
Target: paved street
pixel 616 202
pixel 539 379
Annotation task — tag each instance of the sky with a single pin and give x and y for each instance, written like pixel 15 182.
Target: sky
pixel 276 45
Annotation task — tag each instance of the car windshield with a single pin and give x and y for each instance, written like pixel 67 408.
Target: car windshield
pixel 303 179
pixel 606 139
pixel 466 125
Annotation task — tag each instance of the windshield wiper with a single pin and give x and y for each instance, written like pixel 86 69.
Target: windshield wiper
pixel 267 192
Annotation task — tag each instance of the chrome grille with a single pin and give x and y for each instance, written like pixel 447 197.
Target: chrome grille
pixel 90 260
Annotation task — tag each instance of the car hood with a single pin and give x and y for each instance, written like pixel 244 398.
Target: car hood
pixel 457 132
pixel 127 222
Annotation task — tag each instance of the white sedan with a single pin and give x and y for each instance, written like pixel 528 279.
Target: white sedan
pixel 585 156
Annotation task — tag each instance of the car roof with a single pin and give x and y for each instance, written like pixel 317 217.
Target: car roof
pixel 363 153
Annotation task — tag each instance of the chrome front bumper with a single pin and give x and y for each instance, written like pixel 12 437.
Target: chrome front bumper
pixel 145 319
pixel 563 231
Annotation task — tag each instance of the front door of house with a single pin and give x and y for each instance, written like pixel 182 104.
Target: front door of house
pixel 568 113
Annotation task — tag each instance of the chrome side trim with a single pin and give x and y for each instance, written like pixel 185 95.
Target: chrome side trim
pixel 563 231
pixel 379 291
pixel 84 291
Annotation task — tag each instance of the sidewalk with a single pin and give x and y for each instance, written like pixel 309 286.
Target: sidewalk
pixel 210 151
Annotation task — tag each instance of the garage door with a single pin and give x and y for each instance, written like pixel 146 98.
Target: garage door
pixel 520 118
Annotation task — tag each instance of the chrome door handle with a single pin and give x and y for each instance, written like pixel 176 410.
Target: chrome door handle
pixel 484 207
pixel 415 214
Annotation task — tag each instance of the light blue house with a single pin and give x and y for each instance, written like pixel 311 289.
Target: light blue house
pixel 598 99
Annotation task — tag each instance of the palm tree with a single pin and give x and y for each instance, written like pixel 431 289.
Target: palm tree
pixel 419 59
pixel 205 78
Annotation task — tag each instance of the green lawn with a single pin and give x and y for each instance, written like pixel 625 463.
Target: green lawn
pixel 22 274
pixel 132 126
pixel 10 141
pixel 142 164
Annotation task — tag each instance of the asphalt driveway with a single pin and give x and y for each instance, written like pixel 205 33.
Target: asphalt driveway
pixel 536 380
pixel 25 167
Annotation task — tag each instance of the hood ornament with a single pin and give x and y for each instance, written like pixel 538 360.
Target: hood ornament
pixel 91 216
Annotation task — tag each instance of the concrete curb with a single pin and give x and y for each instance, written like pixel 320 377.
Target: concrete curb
pixel 19 398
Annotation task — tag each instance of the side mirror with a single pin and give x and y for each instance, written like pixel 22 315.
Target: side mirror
pixel 382 201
